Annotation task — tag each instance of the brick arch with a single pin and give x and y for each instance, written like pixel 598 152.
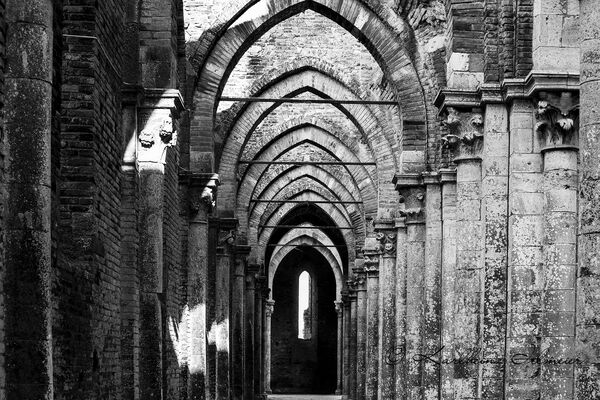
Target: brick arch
pixel 263 213
pixel 326 252
pixel 393 52
pixel 357 235
pixel 256 112
pixel 329 127
pixel 353 176
pixel 361 176
pixel 299 186
pixel 320 174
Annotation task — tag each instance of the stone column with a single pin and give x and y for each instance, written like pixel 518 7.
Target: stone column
pixel 157 134
pixel 346 343
pixel 397 358
pixel 361 331
pixel 588 282
pixel 466 139
pixel 262 295
pixel 432 282
pixel 352 340
pixel 201 188
pixel 412 195
pixel 526 231
pixel 448 181
pixel 340 344
pixel 386 236
pixel 560 183
pixel 494 187
pixel 237 322
pixel 371 267
pixel 223 309
pixel 269 308
pixel 250 322
pixel 25 270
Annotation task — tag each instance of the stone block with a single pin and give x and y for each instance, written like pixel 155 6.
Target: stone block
pixel 549 58
pixel 526 203
pixel 526 163
pixel 559 300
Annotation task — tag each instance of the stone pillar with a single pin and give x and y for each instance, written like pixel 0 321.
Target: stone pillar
pixel 466 139
pixel 346 343
pixel 560 184
pixel 398 358
pixel 371 267
pixel 262 295
pixel 25 270
pixel 211 319
pixel 201 188
pixel 269 308
pixel 526 231
pixel 432 282
pixel 237 322
pixel 494 187
pixel 340 344
pixel 352 339
pixel 223 307
pixel 588 282
pixel 157 134
pixel 412 195
pixel 387 238
pixel 448 280
pixel 361 331
pixel 249 331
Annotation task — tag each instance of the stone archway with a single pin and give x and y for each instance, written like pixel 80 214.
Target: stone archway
pixel 308 364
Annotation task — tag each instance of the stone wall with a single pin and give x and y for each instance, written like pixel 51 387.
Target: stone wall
pixel 3 155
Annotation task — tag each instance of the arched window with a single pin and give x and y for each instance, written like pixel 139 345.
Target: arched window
pixel 304 309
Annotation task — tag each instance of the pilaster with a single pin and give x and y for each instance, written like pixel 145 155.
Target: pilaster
pixel 558 131
pixel 197 280
pixel 371 269
pixel 412 198
pixel 386 236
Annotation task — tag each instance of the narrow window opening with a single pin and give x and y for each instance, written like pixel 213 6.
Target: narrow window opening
pixel 304 311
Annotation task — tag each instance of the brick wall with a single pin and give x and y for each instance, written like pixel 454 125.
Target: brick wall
pixel 86 286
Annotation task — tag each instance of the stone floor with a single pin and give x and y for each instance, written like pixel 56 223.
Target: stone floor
pixel 303 397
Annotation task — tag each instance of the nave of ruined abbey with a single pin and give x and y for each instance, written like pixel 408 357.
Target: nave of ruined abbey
pixel 285 199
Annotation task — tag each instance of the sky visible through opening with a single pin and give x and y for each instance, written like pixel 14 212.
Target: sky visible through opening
pixel 303 302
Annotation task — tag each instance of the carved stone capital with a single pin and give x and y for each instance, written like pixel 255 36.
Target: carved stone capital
pixel 465 133
pixel 157 135
pixel 558 124
pixel 412 198
pixel 203 190
pixel 227 234
pixel 371 261
pixel 269 308
pixel 339 308
pixel 358 282
pixel 386 238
